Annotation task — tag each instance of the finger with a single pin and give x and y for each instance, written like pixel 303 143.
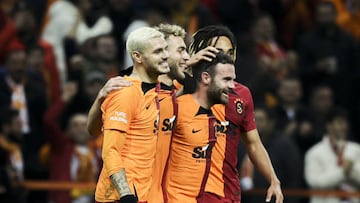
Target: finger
pixel 206 54
pixel 212 49
pixel 116 78
pixel 211 54
pixel 121 81
pixel 110 89
pixel 207 58
pixel 115 81
pixel 119 84
pixel 268 196
pixel 126 83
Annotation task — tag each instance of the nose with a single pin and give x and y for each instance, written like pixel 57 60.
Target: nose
pixel 166 54
pixel 186 56
pixel 231 84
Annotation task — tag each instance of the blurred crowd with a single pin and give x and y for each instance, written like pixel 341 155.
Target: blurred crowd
pixel 300 59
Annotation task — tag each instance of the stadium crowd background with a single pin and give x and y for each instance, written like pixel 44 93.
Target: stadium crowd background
pixel 299 58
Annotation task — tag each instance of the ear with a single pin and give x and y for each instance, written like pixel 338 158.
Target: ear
pixel 205 78
pixel 137 57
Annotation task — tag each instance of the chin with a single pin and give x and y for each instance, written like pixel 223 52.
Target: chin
pixel 224 101
pixel 165 70
pixel 180 77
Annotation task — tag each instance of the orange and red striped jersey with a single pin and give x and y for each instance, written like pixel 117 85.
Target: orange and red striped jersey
pixel 189 159
pixel 235 117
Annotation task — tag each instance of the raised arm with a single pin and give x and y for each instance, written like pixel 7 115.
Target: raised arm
pixel 94 122
pixel 260 158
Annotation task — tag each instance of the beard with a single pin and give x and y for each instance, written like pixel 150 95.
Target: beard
pixel 215 95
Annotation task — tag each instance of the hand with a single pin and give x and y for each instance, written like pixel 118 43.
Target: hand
pixel 70 89
pixel 77 61
pixel 305 129
pixel 275 190
pixel 348 164
pixel 129 199
pixel 206 54
pixel 114 83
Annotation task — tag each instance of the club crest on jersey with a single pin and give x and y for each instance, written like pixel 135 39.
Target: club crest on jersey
pixel 239 106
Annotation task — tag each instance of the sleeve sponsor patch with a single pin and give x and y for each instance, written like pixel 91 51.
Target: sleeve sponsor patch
pixel 119 116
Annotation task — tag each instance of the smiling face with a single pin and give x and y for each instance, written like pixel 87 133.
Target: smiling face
pixel 221 83
pixel 154 57
pixel 177 57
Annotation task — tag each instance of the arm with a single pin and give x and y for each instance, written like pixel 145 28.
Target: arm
pixel 94 122
pixel 260 158
pixel 115 133
pixel 112 145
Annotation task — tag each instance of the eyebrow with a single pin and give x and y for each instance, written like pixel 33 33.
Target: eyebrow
pixel 229 78
pixel 160 49
pixel 220 49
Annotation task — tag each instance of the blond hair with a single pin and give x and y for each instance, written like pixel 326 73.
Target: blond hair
pixel 139 38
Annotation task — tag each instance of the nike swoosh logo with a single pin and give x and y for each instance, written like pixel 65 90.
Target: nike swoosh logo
pixel 161 99
pixel 147 106
pixel 195 131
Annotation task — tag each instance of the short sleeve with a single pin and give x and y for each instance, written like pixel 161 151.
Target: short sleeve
pixel 248 122
pixel 119 108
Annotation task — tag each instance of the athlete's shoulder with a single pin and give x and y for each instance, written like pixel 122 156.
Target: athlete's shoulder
pixel 187 104
pixel 240 87
pixel 133 91
pixel 241 90
pixel 185 99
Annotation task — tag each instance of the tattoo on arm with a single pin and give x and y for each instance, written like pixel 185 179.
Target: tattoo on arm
pixel 120 183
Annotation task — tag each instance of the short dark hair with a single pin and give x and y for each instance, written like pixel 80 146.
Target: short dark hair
pixel 335 113
pixel 208 66
pixel 202 38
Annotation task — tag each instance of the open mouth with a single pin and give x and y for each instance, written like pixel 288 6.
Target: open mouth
pixel 164 64
pixel 183 66
pixel 225 94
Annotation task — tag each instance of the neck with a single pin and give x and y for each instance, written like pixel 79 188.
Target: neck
pixel 202 99
pixel 140 73
pixel 164 78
